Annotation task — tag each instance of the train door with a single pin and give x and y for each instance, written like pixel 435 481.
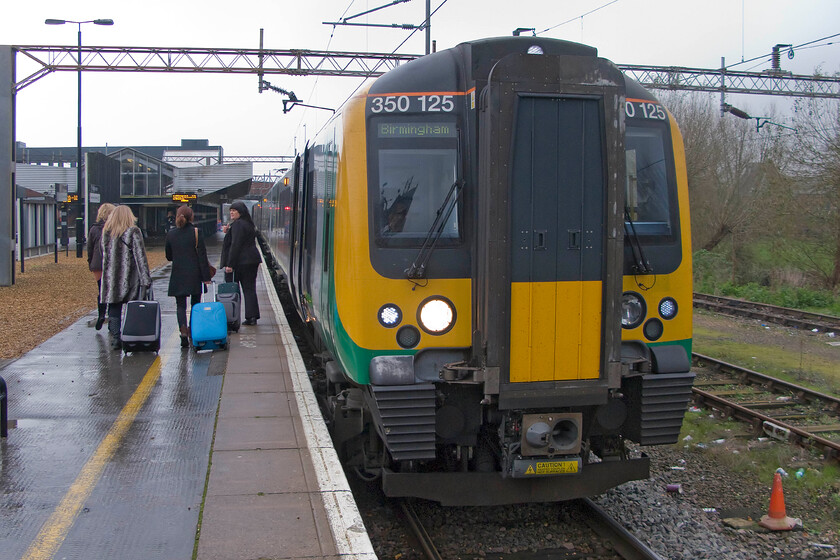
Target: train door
pixel 549 247
pixel 302 240
pixel 556 225
pixel 296 230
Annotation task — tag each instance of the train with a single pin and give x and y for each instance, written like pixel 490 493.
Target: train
pixel 490 246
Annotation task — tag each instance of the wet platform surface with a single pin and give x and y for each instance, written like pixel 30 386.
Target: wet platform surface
pixel 214 454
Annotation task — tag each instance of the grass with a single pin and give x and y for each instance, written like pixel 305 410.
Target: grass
pixel 817 487
pixel 802 367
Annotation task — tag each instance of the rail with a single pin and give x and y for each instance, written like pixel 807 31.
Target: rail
pixel 795 434
pixel 769 313
pixel 624 542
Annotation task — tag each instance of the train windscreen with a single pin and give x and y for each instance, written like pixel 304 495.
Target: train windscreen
pixel 416 166
pixel 649 193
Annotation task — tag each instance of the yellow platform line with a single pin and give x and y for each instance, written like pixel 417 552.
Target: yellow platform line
pixel 55 529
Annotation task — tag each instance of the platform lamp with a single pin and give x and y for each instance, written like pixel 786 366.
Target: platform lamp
pixel 81 228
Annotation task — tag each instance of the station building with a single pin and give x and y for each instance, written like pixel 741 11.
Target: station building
pixel 153 180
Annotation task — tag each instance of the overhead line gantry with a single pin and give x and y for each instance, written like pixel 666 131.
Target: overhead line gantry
pixel 302 62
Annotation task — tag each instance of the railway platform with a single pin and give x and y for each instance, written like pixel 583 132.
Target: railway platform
pixel 214 455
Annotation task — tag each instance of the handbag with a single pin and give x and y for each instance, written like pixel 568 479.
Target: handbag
pixel 210 266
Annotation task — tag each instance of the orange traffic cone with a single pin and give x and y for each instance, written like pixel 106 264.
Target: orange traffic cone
pixel 776 518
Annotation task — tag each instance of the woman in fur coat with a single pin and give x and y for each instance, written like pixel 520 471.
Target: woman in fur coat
pixel 125 270
pixel 185 248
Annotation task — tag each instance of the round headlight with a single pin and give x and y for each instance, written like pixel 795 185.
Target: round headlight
pixel 389 315
pixel 408 336
pixel 668 308
pixel 633 310
pixel 653 329
pixel 436 315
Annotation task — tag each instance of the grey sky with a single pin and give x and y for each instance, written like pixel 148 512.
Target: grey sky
pixel 157 109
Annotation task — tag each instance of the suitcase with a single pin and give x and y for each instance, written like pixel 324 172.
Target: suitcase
pixel 208 324
pixel 140 329
pixel 228 294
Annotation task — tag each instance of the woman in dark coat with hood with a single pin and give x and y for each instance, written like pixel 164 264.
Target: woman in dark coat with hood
pixel 243 259
pixel 94 257
pixel 185 248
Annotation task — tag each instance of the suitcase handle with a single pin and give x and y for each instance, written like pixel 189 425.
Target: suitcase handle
pixel 211 283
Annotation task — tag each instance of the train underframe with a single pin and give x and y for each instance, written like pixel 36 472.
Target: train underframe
pixel 437 441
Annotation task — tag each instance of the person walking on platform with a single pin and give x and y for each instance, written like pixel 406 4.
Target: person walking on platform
pixel 94 258
pixel 243 258
pixel 125 269
pixel 185 248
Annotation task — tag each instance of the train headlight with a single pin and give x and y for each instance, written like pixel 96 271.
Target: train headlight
pixel 668 308
pixel 408 336
pixel 436 315
pixel 653 329
pixel 389 315
pixel 633 310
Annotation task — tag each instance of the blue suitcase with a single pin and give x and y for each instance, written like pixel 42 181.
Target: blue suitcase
pixel 208 325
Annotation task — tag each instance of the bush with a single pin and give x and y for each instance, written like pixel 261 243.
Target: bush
pixel 821 301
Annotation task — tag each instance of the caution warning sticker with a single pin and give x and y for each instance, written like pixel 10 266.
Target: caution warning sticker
pixel 535 467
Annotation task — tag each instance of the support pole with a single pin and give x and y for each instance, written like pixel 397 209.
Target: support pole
pixel 7 166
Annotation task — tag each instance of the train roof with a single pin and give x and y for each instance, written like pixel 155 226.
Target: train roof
pixel 470 63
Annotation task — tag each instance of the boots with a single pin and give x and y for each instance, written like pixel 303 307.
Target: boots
pixel 100 320
pixel 114 331
pixel 185 337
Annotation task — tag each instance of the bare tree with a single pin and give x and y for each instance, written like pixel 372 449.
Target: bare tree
pixel 817 194
pixel 732 171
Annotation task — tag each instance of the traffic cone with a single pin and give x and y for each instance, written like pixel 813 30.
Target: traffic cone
pixel 776 518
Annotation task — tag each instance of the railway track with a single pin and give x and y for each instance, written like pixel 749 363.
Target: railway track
pixel 768 313
pixel 782 410
pixel 604 527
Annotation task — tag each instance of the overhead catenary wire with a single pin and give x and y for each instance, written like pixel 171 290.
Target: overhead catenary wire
pixel 422 26
pixel 577 18
pixel 793 48
pixel 317 78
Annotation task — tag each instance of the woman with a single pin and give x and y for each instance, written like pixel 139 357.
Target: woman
pixel 94 256
pixel 125 270
pixel 242 259
pixel 185 248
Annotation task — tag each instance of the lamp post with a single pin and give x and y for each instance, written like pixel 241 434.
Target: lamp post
pixel 83 209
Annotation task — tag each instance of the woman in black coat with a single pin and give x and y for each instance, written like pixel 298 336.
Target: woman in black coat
pixel 94 257
pixel 185 248
pixel 243 259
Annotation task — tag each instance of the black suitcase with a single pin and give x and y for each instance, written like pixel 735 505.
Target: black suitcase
pixel 229 295
pixel 141 325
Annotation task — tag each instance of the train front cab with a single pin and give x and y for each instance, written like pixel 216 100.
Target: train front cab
pixel 559 385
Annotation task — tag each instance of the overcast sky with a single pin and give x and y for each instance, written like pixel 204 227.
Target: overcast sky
pixel 157 109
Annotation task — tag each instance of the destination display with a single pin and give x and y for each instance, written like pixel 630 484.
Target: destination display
pixel 416 130
pixel 183 197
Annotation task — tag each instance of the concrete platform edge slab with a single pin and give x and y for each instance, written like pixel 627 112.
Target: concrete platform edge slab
pixel 351 537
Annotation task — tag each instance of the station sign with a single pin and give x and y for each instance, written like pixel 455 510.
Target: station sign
pixel 184 198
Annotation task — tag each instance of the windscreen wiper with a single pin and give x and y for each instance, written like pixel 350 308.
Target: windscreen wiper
pixel 417 270
pixel 641 264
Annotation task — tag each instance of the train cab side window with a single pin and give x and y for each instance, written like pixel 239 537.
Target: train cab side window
pixel 648 194
pixel 413 185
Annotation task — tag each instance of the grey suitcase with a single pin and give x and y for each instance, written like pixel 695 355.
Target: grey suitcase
pixel 228 294
pixel 140 329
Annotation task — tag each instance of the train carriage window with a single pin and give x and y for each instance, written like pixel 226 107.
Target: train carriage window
pixel 648 195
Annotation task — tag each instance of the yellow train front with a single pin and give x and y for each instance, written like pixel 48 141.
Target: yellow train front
pixel 490 244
